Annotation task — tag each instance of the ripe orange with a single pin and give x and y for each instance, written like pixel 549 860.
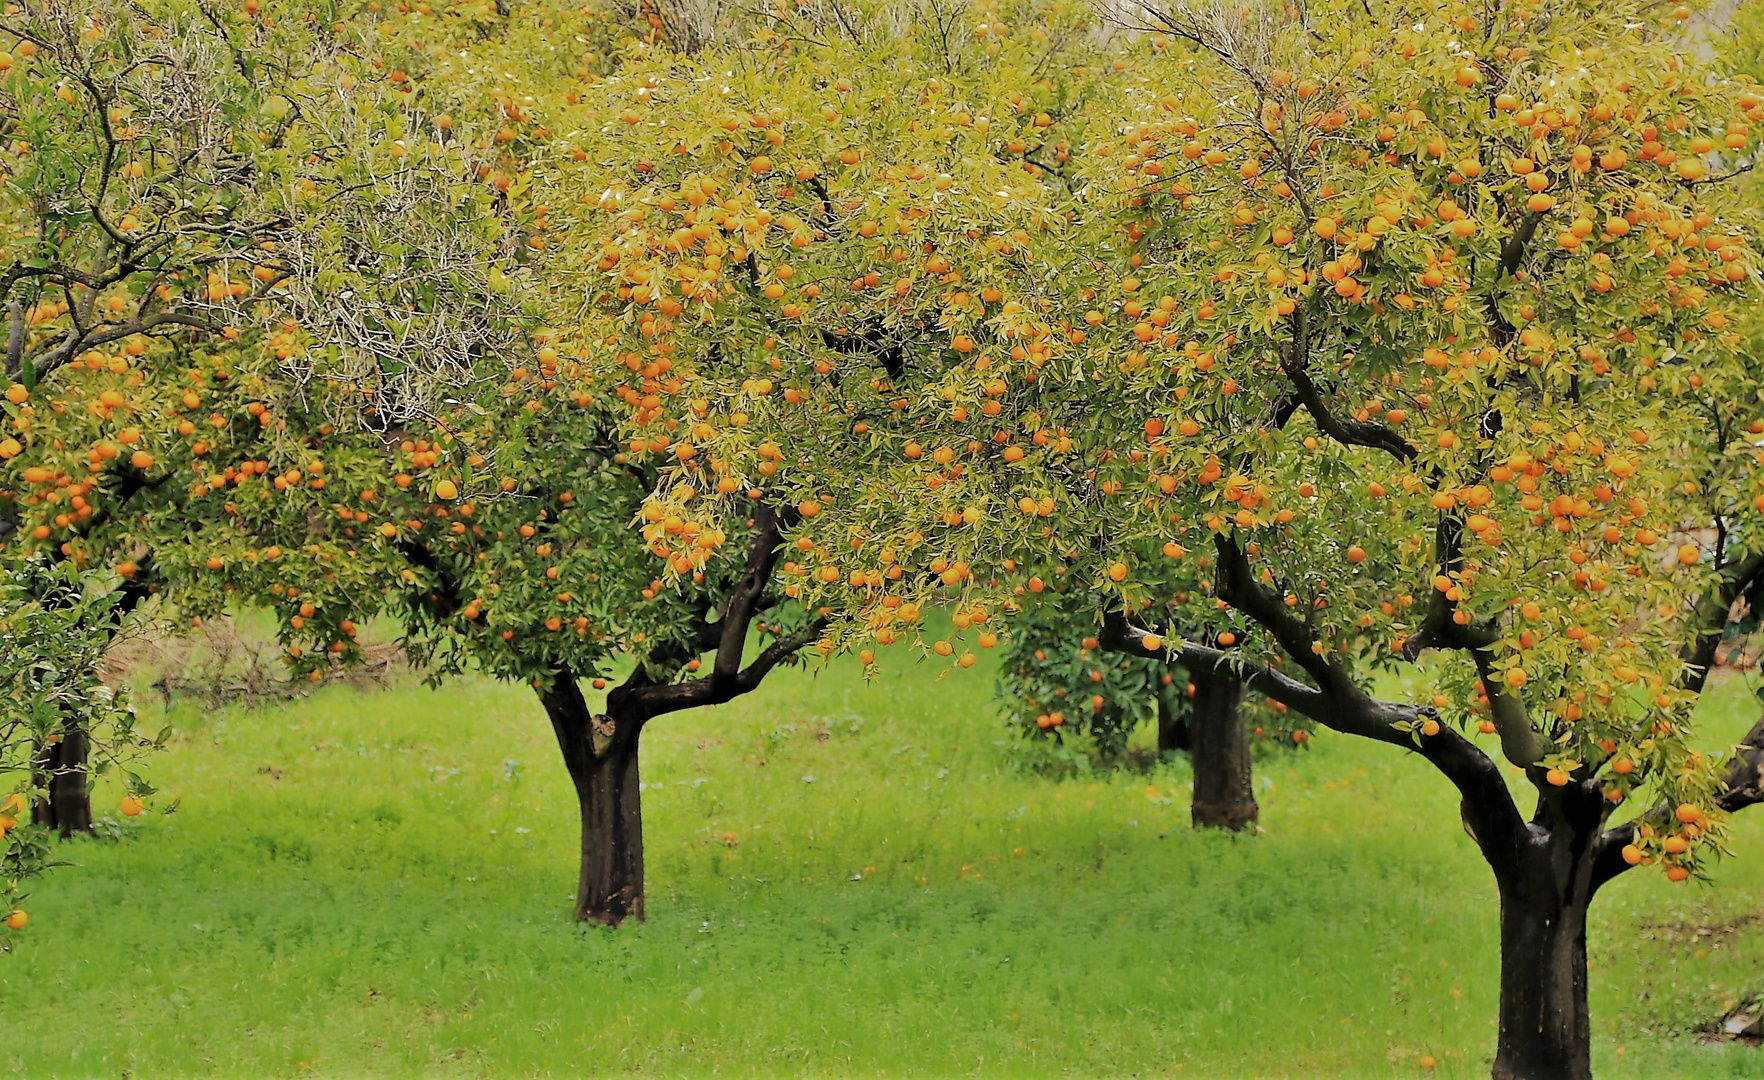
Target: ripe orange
pixel 130 806
pixel 17 919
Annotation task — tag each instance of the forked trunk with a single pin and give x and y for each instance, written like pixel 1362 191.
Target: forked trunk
pixel 600 753
pixel 65 804
pixel 1223 795
pixel 1173 733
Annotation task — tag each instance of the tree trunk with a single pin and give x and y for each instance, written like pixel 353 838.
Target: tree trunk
pixel 1547 877
pixel 600 753
pixel 1173 731
pixel 65 804
pixel 1223 796
pixel 1545 1031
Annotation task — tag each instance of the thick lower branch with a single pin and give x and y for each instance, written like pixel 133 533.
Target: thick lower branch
pixel 1742 787
pixel 1488 806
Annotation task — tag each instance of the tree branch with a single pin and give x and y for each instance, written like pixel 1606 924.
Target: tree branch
pixel 1346 432
pixel 728 635
pixel 744 599
pixel 1237 586
pixel 1120 635
pixel 1440 628
pixel 1742 787
pixel 1486 804
pixel 1711 619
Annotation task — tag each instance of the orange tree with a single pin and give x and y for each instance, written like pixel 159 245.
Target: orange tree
pixel 1345 338
pixel 473 483
pixel 146 156
pixel 137 145
pixel 55 623
pixel 1057 683
pixel 402 429
pixel 707 175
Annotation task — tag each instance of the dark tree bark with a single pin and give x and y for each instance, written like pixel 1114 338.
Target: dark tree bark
pixel 1545 1033
pixel 1174 732
pixel 1546 886
pixel 600 753
pixel 1223 795
pixel 62 767
pixel 1548 869
pixel 65 804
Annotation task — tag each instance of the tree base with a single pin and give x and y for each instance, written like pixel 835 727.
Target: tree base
pixel 1233 816
pixel 66 803
pixel 1223 795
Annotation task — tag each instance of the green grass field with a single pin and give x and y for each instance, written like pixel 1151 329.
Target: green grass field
pixel 379 883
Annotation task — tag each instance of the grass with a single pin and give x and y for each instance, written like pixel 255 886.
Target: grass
pixel 377 884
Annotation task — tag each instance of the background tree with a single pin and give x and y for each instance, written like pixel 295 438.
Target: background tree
pixel 55 624
pixel 1057 682
pixel 137 147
